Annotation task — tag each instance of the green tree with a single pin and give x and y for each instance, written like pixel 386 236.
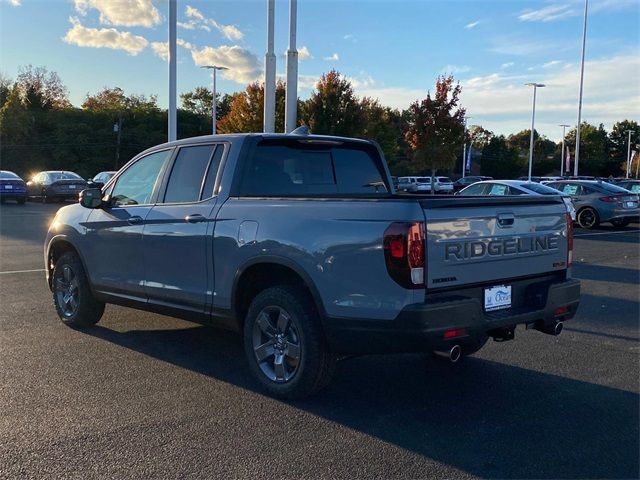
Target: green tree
pixel 5 89
pixel 115 100
pixel 435 127
pixel 246 111
pixel 380 124
pixel 500 160
pixel 41 89
pixel 594 150
pixel 14 119
pixel 198 101
pixel 333 108
pixel 544 149
pixel 618 144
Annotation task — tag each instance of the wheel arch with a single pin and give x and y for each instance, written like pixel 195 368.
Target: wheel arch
pixel 260 273
pixel 58 246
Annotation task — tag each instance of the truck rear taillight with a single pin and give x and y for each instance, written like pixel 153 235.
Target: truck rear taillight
pixel 404 253
pixel 569 240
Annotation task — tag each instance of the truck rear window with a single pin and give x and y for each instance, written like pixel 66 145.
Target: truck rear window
pixel 295 168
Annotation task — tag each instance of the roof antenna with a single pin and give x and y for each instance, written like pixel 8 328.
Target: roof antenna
pixel 301 130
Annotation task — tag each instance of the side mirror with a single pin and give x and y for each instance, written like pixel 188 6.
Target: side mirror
pixel 91 198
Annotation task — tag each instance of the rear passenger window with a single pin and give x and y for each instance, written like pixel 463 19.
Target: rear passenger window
pixel 498 189
pixel 290 168
pixel 212 172
pixel 187 174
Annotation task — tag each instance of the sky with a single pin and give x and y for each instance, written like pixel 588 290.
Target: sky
pixel 390 50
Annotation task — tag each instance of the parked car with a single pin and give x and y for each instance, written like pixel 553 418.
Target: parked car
pixel 597 202
pixel 468 180
pixel 212 229
pixel 442 185
pixel 100 179
pixel 55 186
pixel 516 187
pixel 414 184
pixel 394 180
pixel 632 185
pixel 12 187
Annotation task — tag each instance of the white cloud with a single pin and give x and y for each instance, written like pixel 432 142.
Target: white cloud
pixel 573 8
pixel 332 58
pixel 161 49
pixel 198 20
pixel 14 3
pixel 455 69
pixel 126 13
pixel 104 38
pixel 349 36
pixel 304 54
pixel 506 65
pixel 471 25
pixel 244 66
pixel 552 63
pixel 502 102
pixel 546 14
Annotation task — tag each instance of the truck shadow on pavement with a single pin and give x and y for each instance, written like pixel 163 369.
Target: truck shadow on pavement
pixel 483 417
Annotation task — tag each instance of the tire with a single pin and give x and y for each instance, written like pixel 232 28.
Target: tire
pixel 588 218
pixel 21 201
pixel 72 297
pixel 284 319
pixel 620 222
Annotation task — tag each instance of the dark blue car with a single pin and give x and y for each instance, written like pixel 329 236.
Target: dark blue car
pixel 12 187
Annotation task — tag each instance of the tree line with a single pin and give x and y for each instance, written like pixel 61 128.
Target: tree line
pixel 40 128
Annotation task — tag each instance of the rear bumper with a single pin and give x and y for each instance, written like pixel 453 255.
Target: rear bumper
pixel 13 193
pixel 420 327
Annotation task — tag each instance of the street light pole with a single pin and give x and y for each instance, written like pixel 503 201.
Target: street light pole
pixel 291 94
pixel 533 118
pixel 564 126
pixel 269 119
pixel 464 147
pixel 584 41
pixel 213 100
pixel 628 154
pixel 172 126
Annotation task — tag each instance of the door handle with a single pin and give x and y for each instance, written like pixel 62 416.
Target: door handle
pixel 135 220
pixel 505 220
pixel 195 218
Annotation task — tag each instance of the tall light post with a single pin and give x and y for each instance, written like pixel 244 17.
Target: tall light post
pixel 628 153
pixel 214 68
pixel 291 95
pixel 269 119
pixel 464 147
pixel 584 41
pixel 564 126
pixel 172 127
pixel 533 119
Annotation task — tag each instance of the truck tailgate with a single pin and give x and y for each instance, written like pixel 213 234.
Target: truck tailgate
pixel 474 240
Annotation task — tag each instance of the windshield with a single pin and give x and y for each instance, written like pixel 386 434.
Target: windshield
pixel 55 176
pixel 541 189
pixel 423 180
pixel 9 175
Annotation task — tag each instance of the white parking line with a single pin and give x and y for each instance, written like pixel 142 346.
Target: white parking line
pixel 11 272
pixel 604 233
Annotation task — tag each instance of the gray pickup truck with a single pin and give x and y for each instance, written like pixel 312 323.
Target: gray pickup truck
pixel 300 243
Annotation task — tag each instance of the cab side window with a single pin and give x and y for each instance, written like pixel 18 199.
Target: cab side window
pixel 136 184
pixel 188 173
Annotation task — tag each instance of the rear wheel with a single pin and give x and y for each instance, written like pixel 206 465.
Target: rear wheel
pixel 620 222
pixel 72 295
pixel 284 344
pixel 588 218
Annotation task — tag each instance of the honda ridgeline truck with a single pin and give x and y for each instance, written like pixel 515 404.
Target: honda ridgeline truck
pixel 300 243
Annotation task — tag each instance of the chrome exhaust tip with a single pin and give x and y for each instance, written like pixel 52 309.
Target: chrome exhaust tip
pixel 455 353
pixel 558 329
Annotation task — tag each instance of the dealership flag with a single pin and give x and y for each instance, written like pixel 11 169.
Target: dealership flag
pixel 568 162
pixel 468 167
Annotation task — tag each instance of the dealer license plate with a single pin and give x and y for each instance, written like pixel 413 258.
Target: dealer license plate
pixel 8 187
pixel 631 204
pixel 496 298
pixel 72 187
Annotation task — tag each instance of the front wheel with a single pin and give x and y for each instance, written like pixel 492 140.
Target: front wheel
pixel 284 343
pixel 620 222
pixel 588 218
pixel 72 297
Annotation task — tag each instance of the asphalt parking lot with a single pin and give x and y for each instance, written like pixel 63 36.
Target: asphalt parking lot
pixel 147 396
